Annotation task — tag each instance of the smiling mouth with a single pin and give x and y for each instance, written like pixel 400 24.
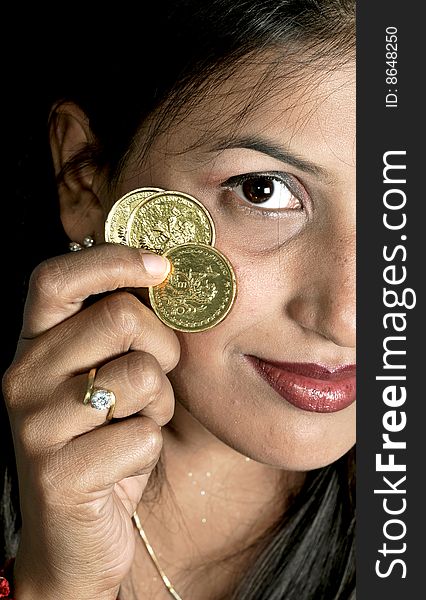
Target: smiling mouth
pixel 309 386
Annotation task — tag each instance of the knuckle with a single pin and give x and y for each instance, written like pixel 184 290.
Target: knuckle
pixel 166 408
pixel 9 383
pixel 167 347
pixel 13 383
pixel 146 375
pixel 55 477
pixel 28 433
pixel 149 466
pixel 121 314
pixel 153 438
pixel 165 417
pixel 48 278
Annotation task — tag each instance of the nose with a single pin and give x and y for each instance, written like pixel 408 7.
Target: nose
pixel 325 300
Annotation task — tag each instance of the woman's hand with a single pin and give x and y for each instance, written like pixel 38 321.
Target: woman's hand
pixel 80 479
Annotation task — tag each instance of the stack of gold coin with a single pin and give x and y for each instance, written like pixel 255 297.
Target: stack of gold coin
pixel 201 287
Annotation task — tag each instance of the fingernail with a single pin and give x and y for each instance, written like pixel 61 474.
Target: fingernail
pixel 156 265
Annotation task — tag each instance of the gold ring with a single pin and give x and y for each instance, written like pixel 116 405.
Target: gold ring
pixel 90 385
pixel 99 398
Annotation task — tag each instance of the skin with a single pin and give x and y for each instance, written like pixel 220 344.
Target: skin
pixel 192 397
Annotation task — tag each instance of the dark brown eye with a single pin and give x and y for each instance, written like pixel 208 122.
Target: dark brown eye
pixel 267 192
pixel 258 189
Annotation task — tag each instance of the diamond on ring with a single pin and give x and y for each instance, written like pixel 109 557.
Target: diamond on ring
pixel 102 399
pixel 99 398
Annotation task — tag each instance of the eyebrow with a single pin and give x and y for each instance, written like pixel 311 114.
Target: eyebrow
pixel 280 153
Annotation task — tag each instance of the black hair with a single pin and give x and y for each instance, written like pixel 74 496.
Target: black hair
pixel 165 61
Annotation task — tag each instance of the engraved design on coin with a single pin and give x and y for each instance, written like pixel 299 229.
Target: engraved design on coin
pixel 169 219
pixel 118 216
pixel 199 291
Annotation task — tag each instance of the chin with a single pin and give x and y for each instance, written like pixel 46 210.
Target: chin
pixel 287 452
pixel 278 436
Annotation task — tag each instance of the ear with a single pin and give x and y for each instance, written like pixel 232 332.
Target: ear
pixel 81 210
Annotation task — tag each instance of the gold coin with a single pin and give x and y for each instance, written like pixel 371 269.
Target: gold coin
pixel 118 216
pixel 169 219
pixel 199 290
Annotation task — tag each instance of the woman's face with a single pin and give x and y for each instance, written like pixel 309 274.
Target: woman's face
pixel 288 228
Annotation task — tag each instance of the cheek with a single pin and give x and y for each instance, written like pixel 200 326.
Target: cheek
pixel 202 369
pixel 212 384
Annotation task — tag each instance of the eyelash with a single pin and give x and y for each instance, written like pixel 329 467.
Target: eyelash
pixel 292 184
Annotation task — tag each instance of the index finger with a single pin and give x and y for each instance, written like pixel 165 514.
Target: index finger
pixel 59 286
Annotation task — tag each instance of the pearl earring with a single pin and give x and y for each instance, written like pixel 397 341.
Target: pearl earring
pixel 87 243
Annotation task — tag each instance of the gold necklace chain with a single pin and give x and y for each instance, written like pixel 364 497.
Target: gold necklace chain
pixel 154 559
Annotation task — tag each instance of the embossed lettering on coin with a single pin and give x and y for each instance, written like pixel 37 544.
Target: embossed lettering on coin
pixel 169 219
pixel 199 291
pixel 118 216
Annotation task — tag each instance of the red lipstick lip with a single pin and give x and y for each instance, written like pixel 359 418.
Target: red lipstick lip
pixel 309 386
